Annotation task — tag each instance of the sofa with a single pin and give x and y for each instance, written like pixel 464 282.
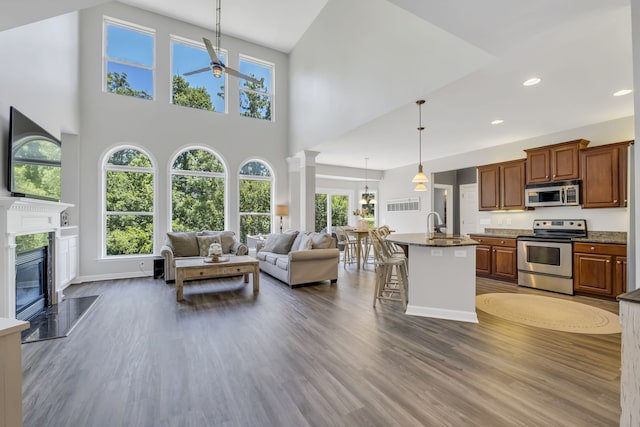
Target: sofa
pixel 298 258
pixel 195 244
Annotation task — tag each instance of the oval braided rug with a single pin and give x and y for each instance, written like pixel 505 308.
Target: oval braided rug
pixel 549 313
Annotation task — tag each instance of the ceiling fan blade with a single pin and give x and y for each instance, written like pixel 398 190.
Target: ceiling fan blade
pixel 239 74
pixel 201 70
pixel 211 50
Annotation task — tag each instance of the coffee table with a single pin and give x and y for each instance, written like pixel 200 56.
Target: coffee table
pixel 196 269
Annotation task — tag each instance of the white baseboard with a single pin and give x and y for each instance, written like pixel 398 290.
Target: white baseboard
pixel 440 313
pixel 114 276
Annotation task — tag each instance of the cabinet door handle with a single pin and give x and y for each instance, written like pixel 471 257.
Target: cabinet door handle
pixel 592 248
pixel 618 262
pixel 501 241
pixel 615 201
pixel 608 261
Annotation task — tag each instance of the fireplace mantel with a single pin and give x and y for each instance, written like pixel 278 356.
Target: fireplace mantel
pixel 21 216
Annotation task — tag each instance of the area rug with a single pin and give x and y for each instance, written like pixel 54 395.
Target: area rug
pixel 58 320
pixel 549 313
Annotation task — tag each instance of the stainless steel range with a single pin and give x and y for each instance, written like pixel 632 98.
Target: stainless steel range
pixel 545 260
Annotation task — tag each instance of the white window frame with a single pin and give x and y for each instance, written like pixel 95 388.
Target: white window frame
pixel 172 171
pixel 106 20
pixel 271 94
pixel 337 192
pixel 105 166
pixel 272 195
pixel 199 45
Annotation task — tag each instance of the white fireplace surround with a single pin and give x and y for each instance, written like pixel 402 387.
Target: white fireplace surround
pixel 21 216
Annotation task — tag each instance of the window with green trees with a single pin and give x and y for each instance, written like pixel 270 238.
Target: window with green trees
pixel 129 59
pixel 255 185
pixel 332 210
pixel 202 90
pixel 129 202
pixel 198 179
pixel 256 99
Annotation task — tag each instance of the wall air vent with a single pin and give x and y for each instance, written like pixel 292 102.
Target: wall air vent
pixel 403 205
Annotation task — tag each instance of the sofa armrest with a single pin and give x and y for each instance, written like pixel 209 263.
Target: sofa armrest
pixel 314 254
pixel 259 245
pixel 167 253
pixel 239 248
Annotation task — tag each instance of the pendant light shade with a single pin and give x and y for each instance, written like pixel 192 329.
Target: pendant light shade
pixel 420 177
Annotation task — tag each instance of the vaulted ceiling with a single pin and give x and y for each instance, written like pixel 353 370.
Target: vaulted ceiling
pixel 581 49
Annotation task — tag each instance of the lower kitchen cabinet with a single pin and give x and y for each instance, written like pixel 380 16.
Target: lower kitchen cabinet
pixel 599 269
pixel 496 258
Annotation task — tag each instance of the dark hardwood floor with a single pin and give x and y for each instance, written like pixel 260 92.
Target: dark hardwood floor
pixel 313 356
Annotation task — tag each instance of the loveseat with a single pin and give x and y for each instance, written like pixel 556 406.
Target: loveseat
pixel 298 258
pixel 195 244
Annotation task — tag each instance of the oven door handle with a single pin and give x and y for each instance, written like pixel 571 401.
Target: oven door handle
pixel 562 195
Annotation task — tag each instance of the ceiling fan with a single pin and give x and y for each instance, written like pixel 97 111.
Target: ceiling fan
pixel 216 66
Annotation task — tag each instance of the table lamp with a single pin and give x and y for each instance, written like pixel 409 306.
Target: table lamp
pixel 282 210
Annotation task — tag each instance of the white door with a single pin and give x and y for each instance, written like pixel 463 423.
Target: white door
pixel 468 208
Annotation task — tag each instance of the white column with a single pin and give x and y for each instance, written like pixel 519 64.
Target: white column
pixel 307 189
pixel 295 198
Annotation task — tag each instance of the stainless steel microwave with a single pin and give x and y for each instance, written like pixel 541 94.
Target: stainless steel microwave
pixel 565 193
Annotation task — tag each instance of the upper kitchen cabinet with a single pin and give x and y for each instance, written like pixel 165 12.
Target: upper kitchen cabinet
pixel 558 162
pixel 501 186
pixel 604 175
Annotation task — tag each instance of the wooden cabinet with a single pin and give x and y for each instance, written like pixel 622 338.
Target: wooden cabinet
pixel 558 162
pixel 599 269
pixel 496 258
pixel 604 175
pixel 501 186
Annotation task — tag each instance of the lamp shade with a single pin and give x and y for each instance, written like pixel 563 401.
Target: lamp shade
pixel 282 210
pixel 420 187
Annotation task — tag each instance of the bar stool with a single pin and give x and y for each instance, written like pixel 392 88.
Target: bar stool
pixel 391 278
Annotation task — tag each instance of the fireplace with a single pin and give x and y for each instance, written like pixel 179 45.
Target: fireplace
pixel 33 280
pixel 21 216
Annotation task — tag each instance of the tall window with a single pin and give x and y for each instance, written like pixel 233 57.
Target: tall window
pixel 129 59
pixel 201 90
pixel 198 180
pixel 256 182
pixel 256 99
pixel 332 210
pixel 129 212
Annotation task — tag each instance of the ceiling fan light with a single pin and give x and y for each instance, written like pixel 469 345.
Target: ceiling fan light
pixel 420 187
pixel 217 71
pixel 420 177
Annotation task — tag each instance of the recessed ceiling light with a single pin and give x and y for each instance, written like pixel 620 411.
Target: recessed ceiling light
pixel 497 122
pixel 622 92
pixel 531 82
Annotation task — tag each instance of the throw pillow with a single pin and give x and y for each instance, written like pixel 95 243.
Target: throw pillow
pixel 227 239
pixel 205 241
pixel 306 243
pixel 184 243
pixel 321 240
pixel 279 243
pixel 296 243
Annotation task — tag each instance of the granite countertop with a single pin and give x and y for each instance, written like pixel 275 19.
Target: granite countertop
pixel 613 237
pixel 633 296
pixel 437 240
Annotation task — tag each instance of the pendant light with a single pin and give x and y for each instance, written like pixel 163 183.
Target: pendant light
pixel 363 200
pixel 420 178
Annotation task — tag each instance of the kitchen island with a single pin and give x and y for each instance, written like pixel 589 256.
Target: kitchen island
pixel 442 275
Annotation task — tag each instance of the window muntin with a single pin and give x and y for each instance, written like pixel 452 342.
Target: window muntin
pixel 255 196
pixel 256 99
pixel 198 181
pixel 129 203
pixel 202 90
pixel 129 59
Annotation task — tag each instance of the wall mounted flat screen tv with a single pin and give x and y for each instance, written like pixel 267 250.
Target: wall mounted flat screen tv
pixel 35 160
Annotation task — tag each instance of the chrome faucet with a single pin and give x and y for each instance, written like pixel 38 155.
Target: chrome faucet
pixel 437 221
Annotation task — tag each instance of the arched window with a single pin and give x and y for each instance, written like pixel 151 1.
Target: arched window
pixel 129 202
pixel 198 180
pixel 255 194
